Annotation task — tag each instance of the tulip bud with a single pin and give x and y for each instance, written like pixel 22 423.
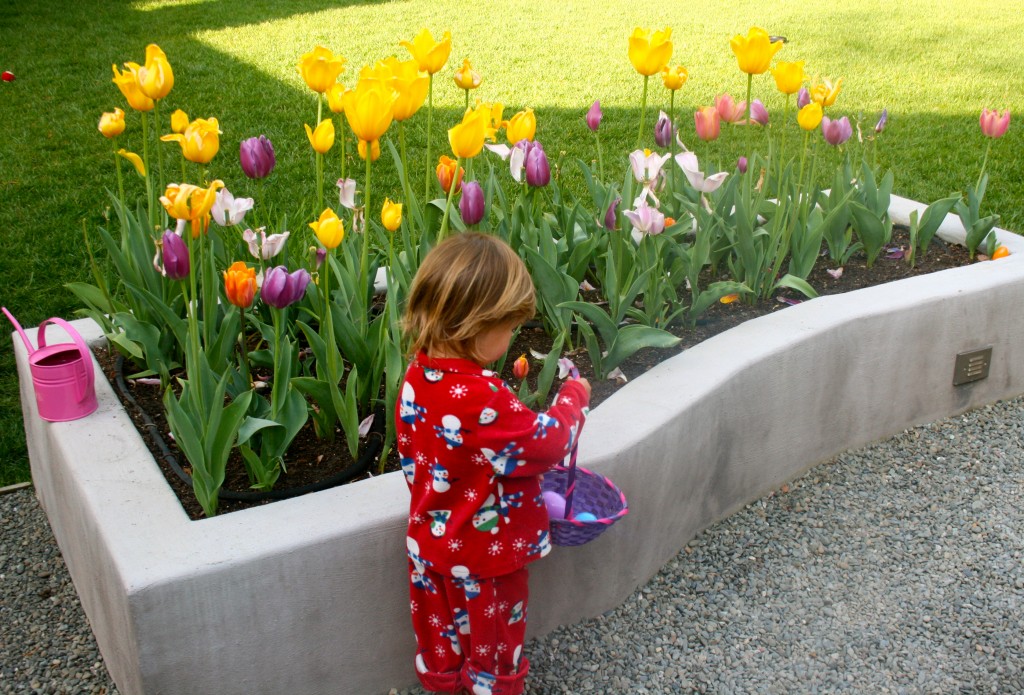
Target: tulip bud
pixel 758 113
pixel 538 171
pixel 321 254
pixel 663 130
pixel 179 121
pixel 594 116
pixel 741 164
pixel 611 216
pixel 446 173
pixel 882 121
pixel 521 367
pixel 112 123
pixel 7 76
pixel 240 284
pixel 471 205
pixel 803 98
pixel 391 215
pixel 281 289
pixel 708 123
pixel 257 157
pixel 175 256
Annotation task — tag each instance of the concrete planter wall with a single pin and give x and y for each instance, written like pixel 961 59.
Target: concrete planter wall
pixel 309 595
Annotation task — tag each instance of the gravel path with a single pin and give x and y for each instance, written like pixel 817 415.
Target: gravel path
pixel 897 568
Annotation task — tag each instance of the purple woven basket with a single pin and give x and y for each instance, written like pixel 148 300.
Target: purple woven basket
pixel 592 493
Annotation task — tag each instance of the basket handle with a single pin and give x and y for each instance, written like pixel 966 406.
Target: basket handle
pixel 570 486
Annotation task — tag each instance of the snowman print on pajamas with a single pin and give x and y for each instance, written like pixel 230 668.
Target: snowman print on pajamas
pixel 543 422
pixel 462 579
pixel 410 411
pixel 452 636
pixel 462 620
pixel 487 416
pixel 517 613
pixel 409 468
pixel 483 683
pixel 450 430
pixel 432 375
pixel 504 462
pixel 438 519
pixel 440 474
pixel 418 576
pixel 542 547
pixel 496 507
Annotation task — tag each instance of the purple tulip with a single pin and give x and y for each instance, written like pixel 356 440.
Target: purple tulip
pixel 663 130
pixel 803 98
pixel 281 289
pixel 836 132
pixel 321 254
pixel 882 121
pixel 741 164
pixel 538 172
pixel 471 205
pixel 758 113
pixel 611 216
pixel 175 255
pixel 594 116
pixel 257 157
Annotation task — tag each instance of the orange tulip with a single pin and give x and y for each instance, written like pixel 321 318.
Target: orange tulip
pixel 446 172
pixel 240 284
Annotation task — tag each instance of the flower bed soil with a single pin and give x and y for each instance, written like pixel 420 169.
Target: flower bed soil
pixel 311 460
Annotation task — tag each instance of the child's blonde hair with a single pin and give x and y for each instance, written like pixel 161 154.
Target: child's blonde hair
pixel 467 284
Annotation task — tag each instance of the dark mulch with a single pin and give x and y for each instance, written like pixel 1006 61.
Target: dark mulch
pixel 310 460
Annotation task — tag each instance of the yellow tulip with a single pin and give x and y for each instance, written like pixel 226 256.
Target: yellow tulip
pixel 184 201
pixel 369 109
pixel 649 51
pixel 320 68
pixel 429 55
pixel 494 122
pixel 135 159
pixel 336 97
pixel 467 138
pixel 391 215
pixel 674 78
pixel 112 124
pixel 410 84
pixel 467 77
pixel 179 121
pixel 328 229
pixel 522 126
pixel 809 116
pixel 754 52
pixel 789 77
pixel 200 141
pixel 128 83
pixel 156 77
pixel 374 150
pixel 322 139
pixel 825 93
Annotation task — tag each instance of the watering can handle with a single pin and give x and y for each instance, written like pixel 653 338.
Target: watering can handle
pixel 21 332
pixel 83 350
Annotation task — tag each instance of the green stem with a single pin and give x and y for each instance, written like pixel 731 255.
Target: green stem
pixel 364 259
pixel 467 99
pixel 319 160
pixel 803 157
pixel 245 349
pixel 149 179
pixel 448 204
pixel 643 113
pixel 750 106
pixel 120 178
pixel 430 120
pixel 782 146
pixel 404 174
pixel 672 135
pixel 159 149
pixel 193 323
pixel 279 368
pixel 984 163
pixel 600 161
pixel 183 174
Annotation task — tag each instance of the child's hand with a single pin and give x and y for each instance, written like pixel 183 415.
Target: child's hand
pixel 585 384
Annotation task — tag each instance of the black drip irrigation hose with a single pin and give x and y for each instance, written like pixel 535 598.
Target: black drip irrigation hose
pixel 375 439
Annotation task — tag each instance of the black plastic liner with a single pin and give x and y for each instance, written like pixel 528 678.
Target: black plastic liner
pixel 375 439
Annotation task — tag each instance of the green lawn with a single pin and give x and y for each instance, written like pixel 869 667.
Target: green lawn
pixel 933 63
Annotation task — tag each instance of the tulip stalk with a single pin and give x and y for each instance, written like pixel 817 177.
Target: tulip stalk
pixel 672 132
pixel 448 204
pixel 149 183
pixel 782 144
pixel 120 178
pixel 159 151
pixel 319 159
pixel 192 360
pixel 750 109
pixel 243 347
pixel 984 163
pixel 364 258
pixel 643 112
pixel 341 134
pixel 430 120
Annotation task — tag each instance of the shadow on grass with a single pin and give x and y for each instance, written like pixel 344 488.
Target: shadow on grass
pixel 56 166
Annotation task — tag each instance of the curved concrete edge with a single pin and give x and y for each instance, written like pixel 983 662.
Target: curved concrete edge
pixel 296 596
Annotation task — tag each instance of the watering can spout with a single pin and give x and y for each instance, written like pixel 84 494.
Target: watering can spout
pixel 21 332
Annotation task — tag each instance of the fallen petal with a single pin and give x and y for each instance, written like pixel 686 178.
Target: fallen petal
pixel 565 367
pixel 729 298
pixel 895 253
pixel 790 302
pixel 537 354
pixel 835 273
pixel 617 375
pixel 365 425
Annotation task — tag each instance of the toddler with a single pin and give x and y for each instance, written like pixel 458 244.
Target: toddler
pixel 472 455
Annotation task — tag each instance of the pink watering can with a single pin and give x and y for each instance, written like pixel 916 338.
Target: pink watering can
pixel 62 374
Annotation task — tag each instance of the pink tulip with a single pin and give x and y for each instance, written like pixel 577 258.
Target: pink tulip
pixel 836 132
pixel 742 165
pixel 728 109
pixel 803 98
pixel 708 123
pixel 994 124
pixel 594 116
pixel 758 113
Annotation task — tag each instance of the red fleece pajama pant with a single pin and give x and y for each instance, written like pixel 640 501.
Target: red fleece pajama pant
pixel 469 632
